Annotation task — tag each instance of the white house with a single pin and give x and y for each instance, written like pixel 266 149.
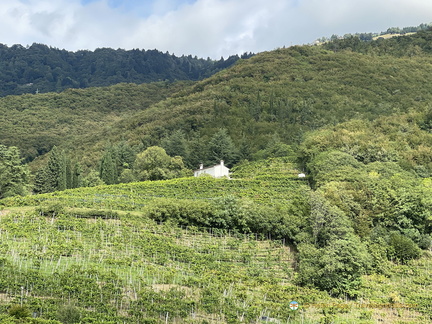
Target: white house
pixel 217 171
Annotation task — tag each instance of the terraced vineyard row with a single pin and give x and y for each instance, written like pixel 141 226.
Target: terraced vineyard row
pixel 135 196
pixel 57 259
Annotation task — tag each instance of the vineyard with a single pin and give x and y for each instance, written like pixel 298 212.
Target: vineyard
pixel 191 250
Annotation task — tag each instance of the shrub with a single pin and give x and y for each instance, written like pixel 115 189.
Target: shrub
pixel 53 209
pixel 401 248
pixel 68 314
pixel 19 311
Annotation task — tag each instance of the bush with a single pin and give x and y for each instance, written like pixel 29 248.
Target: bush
pixel 68 314
pixel 53 209
pixel 336 268
pixel 19 311
pixel 402 249
pixel 425 242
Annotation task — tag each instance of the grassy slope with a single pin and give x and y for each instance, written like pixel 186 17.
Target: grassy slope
pixel 224 276
pixel 253 182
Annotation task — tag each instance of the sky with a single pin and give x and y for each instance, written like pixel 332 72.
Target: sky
pixel 203 28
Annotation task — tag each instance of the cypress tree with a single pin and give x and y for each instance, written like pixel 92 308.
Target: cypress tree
pixel 76 176
pixel 40 182
pixel 108 169
pixel 56 171
pixel 68 169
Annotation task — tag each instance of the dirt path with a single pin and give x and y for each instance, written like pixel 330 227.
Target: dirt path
pixel 4 212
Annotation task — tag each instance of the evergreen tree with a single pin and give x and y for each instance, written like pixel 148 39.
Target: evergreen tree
pixel 54 173
pixel 123 156
pixel 14 176
pixel 68 168
pixel 108 168
pixel 221 147
pixel 53 177
pixel 175 144
pixel 40 181
pixel 76 176
pixel 197 151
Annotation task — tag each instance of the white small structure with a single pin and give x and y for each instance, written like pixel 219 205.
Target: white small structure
pixel 302 175
pixel 216 171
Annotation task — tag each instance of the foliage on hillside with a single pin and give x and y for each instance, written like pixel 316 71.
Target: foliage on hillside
pixel 390 32
pixel 39 68
pixel 132 244
pixel 280 94
pixel 417 44
pixel 286 93
pixel 35 123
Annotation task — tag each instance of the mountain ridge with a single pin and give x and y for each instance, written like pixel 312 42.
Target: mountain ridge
pixel 40 68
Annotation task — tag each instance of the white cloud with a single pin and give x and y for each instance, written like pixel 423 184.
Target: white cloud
pixel 201 27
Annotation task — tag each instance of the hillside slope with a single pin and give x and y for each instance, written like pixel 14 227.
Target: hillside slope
pixel 286 92
pixel 197 249
pixel 35 123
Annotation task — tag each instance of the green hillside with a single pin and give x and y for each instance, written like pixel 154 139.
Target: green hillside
pixel 192 250
pixel 285 92
pixel 350 242
pixel 35 123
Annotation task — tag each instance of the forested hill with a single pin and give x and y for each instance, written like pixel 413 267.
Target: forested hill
pixel 283 93
pixel 46 69
pixel 274 96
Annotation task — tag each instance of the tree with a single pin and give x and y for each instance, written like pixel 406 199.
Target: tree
pixel 108 168
pixel 124 156
pixel 40 182
pixel 53 176
pixel 76 176
pixel 14 176
pixel 275 148
pixel 327 222
pixel 155 164
pixel 127 176
pixel 334 165
pixel 152 164
pixel 402 248
pixel 197 150
pixel 57 169
pixel 221 147
pixel 175 144
pixel 68 168
pixel 337 268
pixel 92 179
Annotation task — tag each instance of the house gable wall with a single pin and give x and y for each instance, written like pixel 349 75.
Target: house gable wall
pixel 217 171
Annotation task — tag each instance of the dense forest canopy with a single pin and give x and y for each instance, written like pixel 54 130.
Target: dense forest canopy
pixel 39 68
